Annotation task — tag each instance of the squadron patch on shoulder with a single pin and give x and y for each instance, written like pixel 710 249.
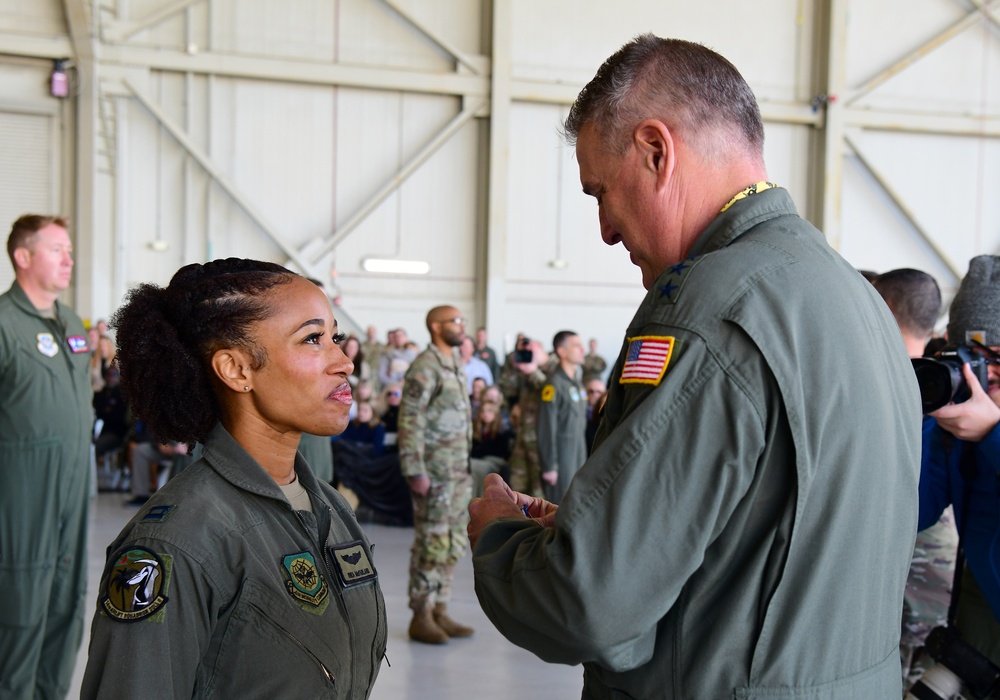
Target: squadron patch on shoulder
pixel 670 290
pixel 77 344
pixel 47 344
pixel 412 390
pixel 305 583
pixel 647 359
pixel 136 585
pixel 352 563
pixel 548 392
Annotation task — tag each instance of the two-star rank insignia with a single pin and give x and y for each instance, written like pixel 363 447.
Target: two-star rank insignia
pixel 672 282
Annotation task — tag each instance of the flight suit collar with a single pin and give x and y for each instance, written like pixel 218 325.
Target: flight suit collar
pixel 22 302
pixel 741 217
pixel 234 464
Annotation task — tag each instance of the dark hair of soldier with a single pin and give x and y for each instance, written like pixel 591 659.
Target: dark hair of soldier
pixel 560 338
pixel 167 335
pixel 913 297
pixel 684 84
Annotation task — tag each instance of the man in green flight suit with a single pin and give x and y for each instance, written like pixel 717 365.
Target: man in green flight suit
pixel 744 525
pixel 45 421
pixel 562 418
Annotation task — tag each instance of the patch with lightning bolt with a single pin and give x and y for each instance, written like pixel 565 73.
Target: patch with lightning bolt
pixel 352 563
pixel 303 580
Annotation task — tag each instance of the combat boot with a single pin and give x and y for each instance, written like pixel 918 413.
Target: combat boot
pixel 450 627
pixel 424 629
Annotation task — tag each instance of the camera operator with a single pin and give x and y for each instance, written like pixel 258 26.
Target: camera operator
pixel 914 299
pixel 961 460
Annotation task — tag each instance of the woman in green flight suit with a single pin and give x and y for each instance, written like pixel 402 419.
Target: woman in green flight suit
pixel 245 576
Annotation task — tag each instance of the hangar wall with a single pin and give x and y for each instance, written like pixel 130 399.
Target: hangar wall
pixel 321 133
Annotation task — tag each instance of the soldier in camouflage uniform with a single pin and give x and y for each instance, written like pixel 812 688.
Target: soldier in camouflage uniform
pixel 593 364
pixel 522 384
pixel 928 593
pixel 435 436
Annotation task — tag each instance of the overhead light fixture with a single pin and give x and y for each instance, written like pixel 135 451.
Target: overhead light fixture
pixel 558 264
pixel 159 245
pixel 396 267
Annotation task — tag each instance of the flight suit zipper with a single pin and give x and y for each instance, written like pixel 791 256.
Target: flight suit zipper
pixel 295 640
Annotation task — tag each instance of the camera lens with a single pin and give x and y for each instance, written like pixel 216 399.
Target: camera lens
pixel 938 382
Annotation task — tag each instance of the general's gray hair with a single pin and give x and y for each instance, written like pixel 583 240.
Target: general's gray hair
pixel 687 86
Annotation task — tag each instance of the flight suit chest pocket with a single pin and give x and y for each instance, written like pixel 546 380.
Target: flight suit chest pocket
pixel 269 634
pixel 44 354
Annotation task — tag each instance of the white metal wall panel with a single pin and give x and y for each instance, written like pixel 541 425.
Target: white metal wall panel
pixel 932 59
pixel 31 17
pixel 27 180
pixel 306 154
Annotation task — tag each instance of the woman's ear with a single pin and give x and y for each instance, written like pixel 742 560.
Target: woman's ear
pixel 232 368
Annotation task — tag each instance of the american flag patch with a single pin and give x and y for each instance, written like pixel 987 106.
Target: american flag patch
pixel 647 359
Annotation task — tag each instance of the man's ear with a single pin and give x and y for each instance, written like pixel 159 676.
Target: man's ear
pixel 655 144
pixel 22 258
pixel 232 367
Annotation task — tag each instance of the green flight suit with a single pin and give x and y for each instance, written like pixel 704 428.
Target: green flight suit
pixel 562 428
pixel 217 588
pixel 744 526
pixel 45 433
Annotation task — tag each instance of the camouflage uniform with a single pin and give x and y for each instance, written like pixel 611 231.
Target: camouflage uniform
pixel 928 592
pixel 435 435
pixel 372 353
pixel 594 365
pixel 525 464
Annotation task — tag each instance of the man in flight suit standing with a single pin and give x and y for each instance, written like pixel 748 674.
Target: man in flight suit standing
pixel 562 418
pixel 45 421
pixel 744 525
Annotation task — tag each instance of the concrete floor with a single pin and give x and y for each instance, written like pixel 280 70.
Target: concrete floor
pixel 485 667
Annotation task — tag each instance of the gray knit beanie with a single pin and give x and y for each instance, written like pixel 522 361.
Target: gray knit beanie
pixel 975 310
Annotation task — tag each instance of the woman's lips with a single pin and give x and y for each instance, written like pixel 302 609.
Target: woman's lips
pixel 342 394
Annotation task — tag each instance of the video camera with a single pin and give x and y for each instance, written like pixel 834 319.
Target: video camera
pixel 957 663
pixel 940 377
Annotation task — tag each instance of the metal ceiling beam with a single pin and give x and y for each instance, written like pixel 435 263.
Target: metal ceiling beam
pixel 51 47
pixel 93 242
pixel 918 53
pixel 924 123
pixel 829 168
pixel 450 129
pixel 477 64
pixel 497 165
pixel 216 173
pixel 903 208
pixel 121 30
pixel 294 71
